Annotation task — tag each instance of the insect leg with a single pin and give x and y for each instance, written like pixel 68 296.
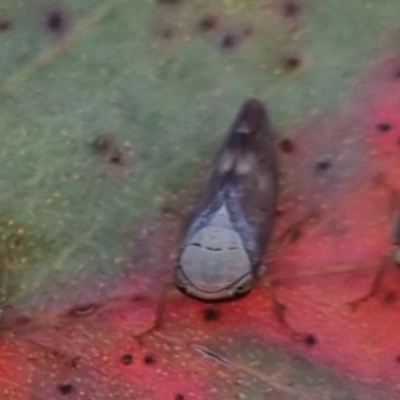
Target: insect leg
pixel 159 312
pixel 294 232
pixel 376 283
pixel 279 312
pixel 394 207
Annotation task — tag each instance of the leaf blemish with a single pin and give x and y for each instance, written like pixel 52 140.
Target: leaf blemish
pixel 22 320
pixel 116 157
pixel 211 314
pixel 291 9
pixel 248 31
pixel 324 165
pixel 75 362
pixel 5 24
pixel 390 298
pixel 384 127
pixel 56 21
pixel 229 41
pixel 65 388
pixel 127 359
pixel 105 145
pixel 208 22
pixel 310 340
pixel 287 146
pixel 179 396
pixel 167 33
pixel 292 63
pixel 102 144
pixel 295 234
pixel 149 359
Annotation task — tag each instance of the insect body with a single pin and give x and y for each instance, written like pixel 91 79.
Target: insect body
pixel 229 230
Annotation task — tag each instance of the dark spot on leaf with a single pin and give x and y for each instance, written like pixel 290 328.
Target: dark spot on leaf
pixel 116 157
pixel 56 21
pixel 169 1
pixel 83 310
pixel 397 74
pixel 279 212
pixel 75 362
pixel 149 359
pixel 208 22
pixel 167 33
pixel 247 31
pixel 295 233
pixel 229 41
pixel 137 297
pixel 22 320
pixel 65 388
pixel 291 63
pixel 287 145
pixel 102 144
pixel 384 127
pixel 398 359
pixel 291 9
pixel 179 397
pixel 310 340
pixel 390 298
pixel 321 166
pixel 5 24
pixel 127 359
pixel 211 314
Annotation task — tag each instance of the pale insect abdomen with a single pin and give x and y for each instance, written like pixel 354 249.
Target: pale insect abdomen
pixel 215 255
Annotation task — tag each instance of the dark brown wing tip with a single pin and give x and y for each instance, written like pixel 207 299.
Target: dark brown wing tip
pixel 251 117
pixel 253 103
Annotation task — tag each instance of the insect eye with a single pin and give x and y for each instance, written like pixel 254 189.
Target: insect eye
pixel 243 287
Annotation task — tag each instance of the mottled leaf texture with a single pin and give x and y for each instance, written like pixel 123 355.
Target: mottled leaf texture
pixel 110 114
